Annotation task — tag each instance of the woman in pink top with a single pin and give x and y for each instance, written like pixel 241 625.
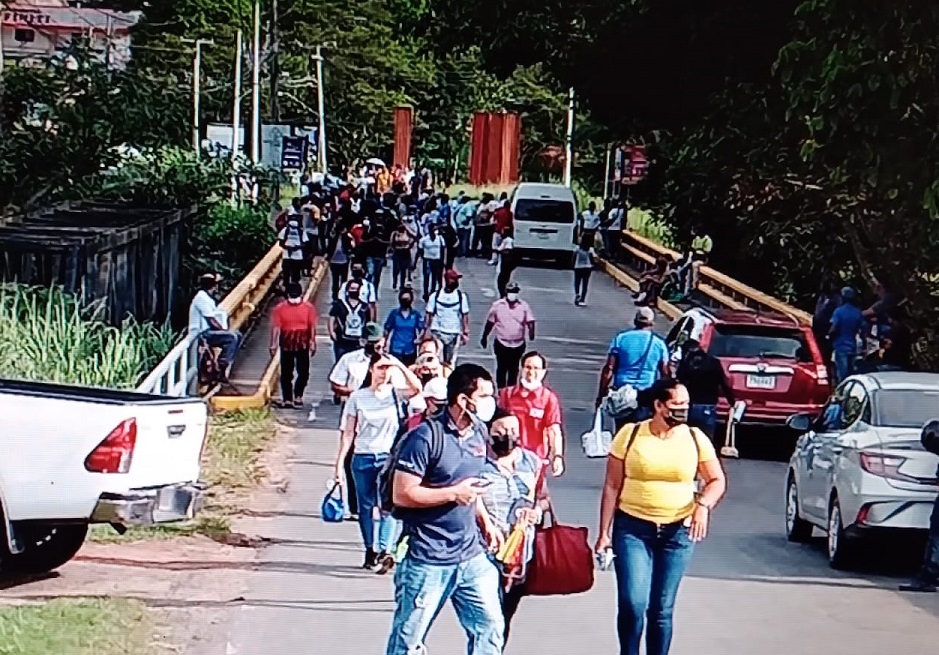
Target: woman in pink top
pixel 510 321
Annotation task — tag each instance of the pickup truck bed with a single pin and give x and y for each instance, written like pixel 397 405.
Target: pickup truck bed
pixel 79 455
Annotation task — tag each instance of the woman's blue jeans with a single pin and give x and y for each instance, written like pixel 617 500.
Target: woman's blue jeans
pixel 365 470
pixel 650 561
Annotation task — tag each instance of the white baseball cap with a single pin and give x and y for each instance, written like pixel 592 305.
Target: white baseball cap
pixel 436 389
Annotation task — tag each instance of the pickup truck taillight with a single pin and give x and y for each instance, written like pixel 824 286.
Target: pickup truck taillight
pixel 113 455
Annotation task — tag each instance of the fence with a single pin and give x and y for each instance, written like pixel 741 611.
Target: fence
pixel 178 373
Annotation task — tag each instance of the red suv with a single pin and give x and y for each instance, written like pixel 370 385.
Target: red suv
pixel 771 361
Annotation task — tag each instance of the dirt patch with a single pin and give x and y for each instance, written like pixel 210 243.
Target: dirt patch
pixel 187 582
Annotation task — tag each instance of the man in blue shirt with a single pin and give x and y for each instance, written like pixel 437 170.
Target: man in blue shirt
pixel 846 323
pixel 404 325
pixel 436 491
pixel 637 358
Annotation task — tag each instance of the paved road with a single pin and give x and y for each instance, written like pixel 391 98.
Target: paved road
pixel 748 591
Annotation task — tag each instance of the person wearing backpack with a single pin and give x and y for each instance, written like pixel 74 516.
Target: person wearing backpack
pixel 448 316
pixel 372 418
pixel 293 239
pixel 432 482
pixel 651 514
pixel 348 317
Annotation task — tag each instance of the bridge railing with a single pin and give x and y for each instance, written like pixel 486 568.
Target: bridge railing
pixel 177 374
pixel 721 288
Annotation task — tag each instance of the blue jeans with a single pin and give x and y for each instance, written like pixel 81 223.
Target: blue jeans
pixel 464 234
pixel 400 265
pixel 844 365
pixel 227 340
pixel 704 417
pixel 422 589
pixel 365 470
pixel 649 561
pixel 373 269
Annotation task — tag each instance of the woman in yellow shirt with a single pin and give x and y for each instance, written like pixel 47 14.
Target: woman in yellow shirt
pixel 652 515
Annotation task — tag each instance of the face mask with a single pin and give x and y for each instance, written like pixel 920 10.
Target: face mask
pixel 353 295
pixel 676 416
pixel 503 444
pixel 451 287
pixel 294 301
pixel 358 275
pixel 406 304
pixel 530 385
pixel 485 409
pixel 511 297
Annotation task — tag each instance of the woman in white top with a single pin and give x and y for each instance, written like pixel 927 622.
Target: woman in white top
pixel 584 258
pixel 371 419
pixel 507 261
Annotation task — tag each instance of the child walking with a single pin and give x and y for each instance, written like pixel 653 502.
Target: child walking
pixel 584 258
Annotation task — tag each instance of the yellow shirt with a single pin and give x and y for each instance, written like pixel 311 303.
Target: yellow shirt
pixel 660 472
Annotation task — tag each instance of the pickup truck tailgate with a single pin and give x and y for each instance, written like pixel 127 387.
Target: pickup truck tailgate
pixel 169 445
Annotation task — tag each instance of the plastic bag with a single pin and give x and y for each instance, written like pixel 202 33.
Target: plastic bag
pixel 333 510
pixel 597 441
pixel 620 402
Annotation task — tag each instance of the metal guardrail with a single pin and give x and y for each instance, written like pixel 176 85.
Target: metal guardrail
pixel 721 288
pixel 177 374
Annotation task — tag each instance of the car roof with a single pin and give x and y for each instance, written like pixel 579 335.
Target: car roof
pixel 543 191
pixel 747 317
pixel 899 381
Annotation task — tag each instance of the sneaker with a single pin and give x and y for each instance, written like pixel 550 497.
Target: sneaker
pixel 298 404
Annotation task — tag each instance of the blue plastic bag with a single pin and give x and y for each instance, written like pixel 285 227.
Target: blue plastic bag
pixel 333 510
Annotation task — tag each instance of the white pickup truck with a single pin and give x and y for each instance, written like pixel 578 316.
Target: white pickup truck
pixel 77 456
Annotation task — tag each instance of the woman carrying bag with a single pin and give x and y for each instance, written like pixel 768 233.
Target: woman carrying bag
pixel 652 515
pixel 371 420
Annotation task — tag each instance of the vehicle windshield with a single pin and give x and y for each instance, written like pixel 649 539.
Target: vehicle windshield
pixel 758 341
pixel 544 211
pixel 905 408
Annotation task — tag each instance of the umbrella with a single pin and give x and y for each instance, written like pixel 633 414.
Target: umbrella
pixel 375 161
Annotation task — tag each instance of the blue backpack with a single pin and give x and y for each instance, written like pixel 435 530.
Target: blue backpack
pixel 333 510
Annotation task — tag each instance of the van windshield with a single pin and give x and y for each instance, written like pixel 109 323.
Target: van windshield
pixel 544 211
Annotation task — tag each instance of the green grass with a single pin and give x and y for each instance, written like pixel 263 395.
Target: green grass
pixel 76 627
pixel 646 224
pixel 232 466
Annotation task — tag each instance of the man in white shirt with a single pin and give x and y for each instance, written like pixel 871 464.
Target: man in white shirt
pixel 431 249
pixel 210 324
pixel 590 220
pixel 448 316
pixel 293 240
pixel 367 292
pixel 612 231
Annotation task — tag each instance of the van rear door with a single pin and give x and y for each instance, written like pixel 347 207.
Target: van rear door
pixel 544 224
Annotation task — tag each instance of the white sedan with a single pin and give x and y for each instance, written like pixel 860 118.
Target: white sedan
pixel 859 466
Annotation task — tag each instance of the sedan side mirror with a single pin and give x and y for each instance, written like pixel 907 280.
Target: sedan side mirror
pixel 800 422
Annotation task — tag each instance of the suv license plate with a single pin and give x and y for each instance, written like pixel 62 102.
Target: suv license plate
pixel 761 382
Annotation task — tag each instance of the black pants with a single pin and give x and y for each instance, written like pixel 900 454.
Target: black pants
pixel 290 362
pixel 581 280
pixel 507 362
pixel 433 272
pixel 400 265
pixel 482 240
pixel 510 601
pixel 293 270
pixel 339 273
pixel 506 268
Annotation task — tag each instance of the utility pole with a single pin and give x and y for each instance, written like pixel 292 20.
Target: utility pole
pixel 197 88
pixel 569 141
pixel 2 65
pixel 275 63
pixel 321 110
pixel 606 171
pixel 109 34
pixel 236 105
pixel 256 87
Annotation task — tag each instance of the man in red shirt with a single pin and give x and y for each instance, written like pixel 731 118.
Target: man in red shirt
pixel 538 410
pixel 503 218
pixel 293 333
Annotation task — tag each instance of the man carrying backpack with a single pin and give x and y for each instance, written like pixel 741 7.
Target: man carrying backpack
pixel 434 489
pixel 448 316
pixel 293 239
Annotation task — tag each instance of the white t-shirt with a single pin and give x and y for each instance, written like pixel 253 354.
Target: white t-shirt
pixel 352 369
pixel 446 310
pixel 202 308
pixel 376 420
pixel 367 293
pixel 508 243
pixel 617 215
pixel 293 236
pixel 433 248
pixel 584 258
pixel 591 220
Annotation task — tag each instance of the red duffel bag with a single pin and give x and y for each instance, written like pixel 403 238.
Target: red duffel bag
pixel 563 561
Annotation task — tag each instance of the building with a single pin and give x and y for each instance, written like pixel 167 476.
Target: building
pixel 32 32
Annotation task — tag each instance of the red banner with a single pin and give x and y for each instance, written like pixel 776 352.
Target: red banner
pixel 404 123
pixel 494 148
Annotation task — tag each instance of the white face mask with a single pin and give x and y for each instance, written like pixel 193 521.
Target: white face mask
pixel 485 409
pixel 511 297
pixel 530 385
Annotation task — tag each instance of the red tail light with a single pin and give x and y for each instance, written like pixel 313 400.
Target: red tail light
pixel 884 466
pixel 113 455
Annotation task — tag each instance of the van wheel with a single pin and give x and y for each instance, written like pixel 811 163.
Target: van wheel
pixel 798 530
pixel 46 547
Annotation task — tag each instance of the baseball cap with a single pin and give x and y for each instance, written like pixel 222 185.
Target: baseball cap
pixel 373 332
pixel 847 293
pixel 452 275
pixel 436 389
pixel 644 316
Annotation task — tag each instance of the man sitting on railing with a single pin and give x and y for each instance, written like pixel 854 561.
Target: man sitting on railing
pixel 210 323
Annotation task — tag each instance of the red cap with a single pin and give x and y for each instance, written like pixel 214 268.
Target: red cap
pixel 452 275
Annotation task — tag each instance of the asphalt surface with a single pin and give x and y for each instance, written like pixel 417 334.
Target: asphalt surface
pixel 748 590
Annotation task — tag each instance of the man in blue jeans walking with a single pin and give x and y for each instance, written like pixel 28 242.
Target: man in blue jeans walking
pixel 436 490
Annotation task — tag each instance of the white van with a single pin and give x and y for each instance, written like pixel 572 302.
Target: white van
pixel 545 219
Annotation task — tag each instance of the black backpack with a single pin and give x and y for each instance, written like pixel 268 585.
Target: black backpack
pixel 930 437
pixel 387 474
